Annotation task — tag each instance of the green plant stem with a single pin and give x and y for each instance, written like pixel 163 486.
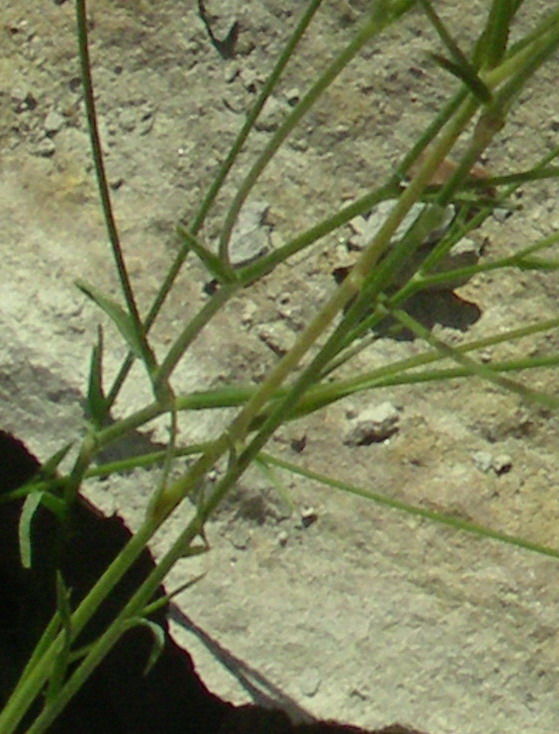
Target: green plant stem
pixel 399 373
pixel 252 116
pixel 492 44
pixel 348 288
pixel 374 25
pixel 192 330
pixel 493 78
pixel 232 439
pixel 28 689
pixel 214 189
pixel 476 368
pixel 97 154
pixel 105 642
pixel 317 397
pixel 267 263
pixel 235 396
pixel 455 522
pixel 86 453
pixel 490 122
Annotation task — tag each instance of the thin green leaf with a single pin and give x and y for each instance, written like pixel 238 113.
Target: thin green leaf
pixel 197 549
pixel 96 400
pixel 476 368
pixel 215 266
pixel 49 499
pixel 134 328
pixel 116 313
pixel 535 263
pixel 158 635
pixel 492 45
pixel 48 469
pixel 42 646
pixel 460 66
pixel 422 512
pixel 467 75
pixel 276 482
pixel 169 457
pixel 30 505
pixel 167 598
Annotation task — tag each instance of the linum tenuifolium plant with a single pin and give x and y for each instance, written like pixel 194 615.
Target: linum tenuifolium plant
pixel 489 77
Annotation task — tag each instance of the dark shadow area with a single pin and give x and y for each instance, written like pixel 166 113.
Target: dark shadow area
pixel 119 697
pixel 428 307
pixel 445 308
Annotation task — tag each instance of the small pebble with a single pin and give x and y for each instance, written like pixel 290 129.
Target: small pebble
pixel 271 116
pixel 53 123
pixel 483 461
pixel 250 238
pixel 373 425
pixel 308 517
pixel 501 215
pixel 23 100
pixel 277 336
pixel 309 682
pixel 502 464
pixel 293 96
pixel 127 119
pixel 45 148
pixel 298 443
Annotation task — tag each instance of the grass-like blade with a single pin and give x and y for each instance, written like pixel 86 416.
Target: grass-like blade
pixel 466 74
pixel 278 485
pixel 439 517
pixel 30 505
pixel 96 400
pixel 167 598
pixel 116 313
pixel 48 469
pixel 535 263
pixel 158 639
pixel 459 66
pixel 492 45
pixel 213 263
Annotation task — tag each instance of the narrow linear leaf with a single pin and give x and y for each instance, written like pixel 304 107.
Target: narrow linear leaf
pixel 414 510
pixel 167 598
pixel 212 262
pixel 196 549
pixel 96 401
pixel 30 504
pixel 116 313
pixel 158 635
pixel 492 45
pixel 467 75
pixel 477 368
pixel 276 482
pixel 534 263
pixel 459 66
pixel 48 469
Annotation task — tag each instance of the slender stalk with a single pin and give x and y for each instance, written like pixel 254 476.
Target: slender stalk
pixel 252 116
pixel 28 689
pixel 477 368
pixel 271 403
pixel 106 205
pixel 370 28
pixel 439 517
pixel 192 330
pixel 214 189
